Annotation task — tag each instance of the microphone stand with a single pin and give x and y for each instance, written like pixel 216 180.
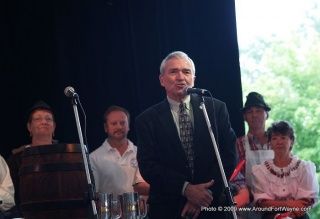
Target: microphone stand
pixel 84 151
pixel 216 150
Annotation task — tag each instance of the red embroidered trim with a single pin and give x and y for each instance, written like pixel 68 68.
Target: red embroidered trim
pixel 283 174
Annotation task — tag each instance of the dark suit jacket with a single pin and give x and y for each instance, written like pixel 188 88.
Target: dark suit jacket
pixel 162 160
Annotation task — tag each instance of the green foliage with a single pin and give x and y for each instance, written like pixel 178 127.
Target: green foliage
pixel 286 71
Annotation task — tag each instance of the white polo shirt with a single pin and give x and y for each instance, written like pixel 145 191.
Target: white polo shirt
pixel 112 172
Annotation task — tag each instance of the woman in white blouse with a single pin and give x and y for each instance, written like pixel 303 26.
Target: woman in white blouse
pixel 285 183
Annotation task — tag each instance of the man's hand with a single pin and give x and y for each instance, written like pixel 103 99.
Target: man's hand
pixel 199 194
pixel 190 210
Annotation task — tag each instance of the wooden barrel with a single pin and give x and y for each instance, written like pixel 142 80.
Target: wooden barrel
pixel 53 182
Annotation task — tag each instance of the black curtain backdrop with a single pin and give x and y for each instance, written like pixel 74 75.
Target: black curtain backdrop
pixel 110 52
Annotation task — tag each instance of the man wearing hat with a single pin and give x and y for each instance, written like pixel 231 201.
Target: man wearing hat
pixel 41 126
pixel 254 147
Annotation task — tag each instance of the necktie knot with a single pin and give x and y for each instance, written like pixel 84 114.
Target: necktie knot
pixel 182 107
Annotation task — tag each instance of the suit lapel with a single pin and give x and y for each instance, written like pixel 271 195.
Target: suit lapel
pixel 201 137
pixel 167 121
pixel 198 118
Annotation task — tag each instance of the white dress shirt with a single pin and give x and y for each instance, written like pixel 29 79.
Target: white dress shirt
pixel 174 107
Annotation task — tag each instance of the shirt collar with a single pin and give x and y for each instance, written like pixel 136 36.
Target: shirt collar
pixel 110 149
pixel 174 105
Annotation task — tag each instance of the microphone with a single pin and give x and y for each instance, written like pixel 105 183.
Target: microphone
pixel 199 91
pixel 70 92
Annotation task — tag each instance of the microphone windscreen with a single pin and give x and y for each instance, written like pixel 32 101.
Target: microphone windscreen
pixel 69 91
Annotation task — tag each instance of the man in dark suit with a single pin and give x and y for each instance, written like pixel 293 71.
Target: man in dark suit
pixel 184 177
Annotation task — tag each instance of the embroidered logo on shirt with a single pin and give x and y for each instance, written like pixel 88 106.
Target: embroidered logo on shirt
pixel 134 163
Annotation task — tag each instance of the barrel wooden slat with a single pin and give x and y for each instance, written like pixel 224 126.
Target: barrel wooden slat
pixel 53 182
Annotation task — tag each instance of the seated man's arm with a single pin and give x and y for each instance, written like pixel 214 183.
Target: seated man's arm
pixel 6 187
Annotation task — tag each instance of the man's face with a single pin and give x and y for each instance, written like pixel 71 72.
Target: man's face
pixel 255 117
pixel 117 125
pixel 176 76
pixel 41 124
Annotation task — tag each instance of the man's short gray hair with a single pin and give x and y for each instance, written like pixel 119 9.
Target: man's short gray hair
pixel 180 55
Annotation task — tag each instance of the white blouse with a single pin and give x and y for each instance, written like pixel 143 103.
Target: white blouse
pixel 296 181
